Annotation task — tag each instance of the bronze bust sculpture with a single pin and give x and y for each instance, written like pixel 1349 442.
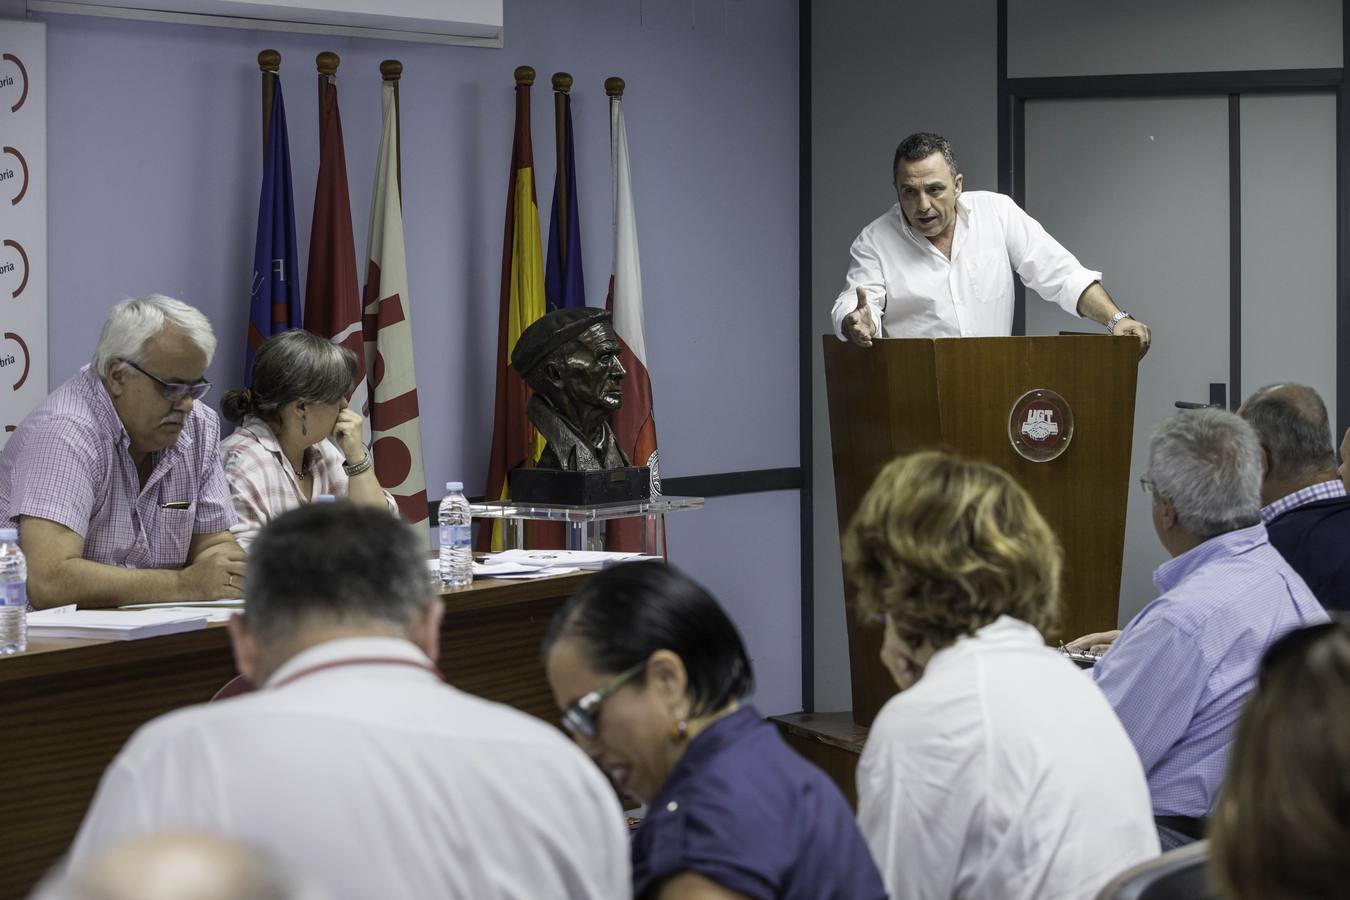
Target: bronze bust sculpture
pixel 570 359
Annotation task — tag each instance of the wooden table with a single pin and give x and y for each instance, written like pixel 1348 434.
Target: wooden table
pixel 68 706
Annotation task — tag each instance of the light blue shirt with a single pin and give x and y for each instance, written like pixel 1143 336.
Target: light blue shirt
pixel 1179 673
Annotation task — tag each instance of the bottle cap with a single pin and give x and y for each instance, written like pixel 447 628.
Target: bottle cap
pixel 9 534
pixel 325 498
pixel 454 487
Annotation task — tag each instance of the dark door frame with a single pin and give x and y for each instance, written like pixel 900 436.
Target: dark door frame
pixel 1013 93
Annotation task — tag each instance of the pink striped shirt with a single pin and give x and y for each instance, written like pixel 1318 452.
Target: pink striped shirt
pixel 69 462
pixel 263 482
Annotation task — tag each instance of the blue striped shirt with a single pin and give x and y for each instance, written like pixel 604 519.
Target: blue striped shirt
pixel 1180 671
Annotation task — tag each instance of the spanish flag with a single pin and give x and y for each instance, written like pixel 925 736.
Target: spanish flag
pixel 514 440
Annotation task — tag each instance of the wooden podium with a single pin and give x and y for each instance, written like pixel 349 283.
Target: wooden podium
pixel 957 394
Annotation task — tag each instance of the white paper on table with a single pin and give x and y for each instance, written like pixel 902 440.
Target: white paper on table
pixel 491 569
pixel 585 559
pixel 190 605
pixel 112 624
pixel 548 572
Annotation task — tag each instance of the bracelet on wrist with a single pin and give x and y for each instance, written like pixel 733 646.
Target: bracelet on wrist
pixel 354 469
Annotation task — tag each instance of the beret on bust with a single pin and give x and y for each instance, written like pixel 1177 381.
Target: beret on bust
pixel 551 331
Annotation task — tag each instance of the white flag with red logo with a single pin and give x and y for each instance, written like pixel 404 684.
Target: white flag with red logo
pixel 387 325
pixel 634 425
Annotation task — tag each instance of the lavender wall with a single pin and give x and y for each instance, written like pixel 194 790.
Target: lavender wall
pixel 155 162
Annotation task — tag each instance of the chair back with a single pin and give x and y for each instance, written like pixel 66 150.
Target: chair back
pixel 1176 875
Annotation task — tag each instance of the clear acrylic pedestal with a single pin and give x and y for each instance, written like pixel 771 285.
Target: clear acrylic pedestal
pixel 584 525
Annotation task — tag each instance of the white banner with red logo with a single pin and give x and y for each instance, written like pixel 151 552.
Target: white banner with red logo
pixel 394 416
pixel 23 221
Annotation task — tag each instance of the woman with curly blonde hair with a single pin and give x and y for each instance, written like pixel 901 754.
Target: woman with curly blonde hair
pixel 999 770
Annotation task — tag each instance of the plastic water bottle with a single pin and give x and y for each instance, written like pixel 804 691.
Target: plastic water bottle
pixel 455 519
pixel 13 594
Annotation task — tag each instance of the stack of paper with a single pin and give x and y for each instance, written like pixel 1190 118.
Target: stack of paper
pixel 544 563
pixel 111 625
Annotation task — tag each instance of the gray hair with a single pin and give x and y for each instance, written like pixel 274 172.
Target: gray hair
pixel 134 322
pixel 335 562
pixel 921 145
pixel 1208 463
pixel 1292 425
pixel 293 365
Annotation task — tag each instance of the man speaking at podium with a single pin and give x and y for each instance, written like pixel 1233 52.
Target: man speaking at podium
pixel 939 263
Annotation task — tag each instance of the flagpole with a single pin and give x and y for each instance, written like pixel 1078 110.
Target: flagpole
pixel 327 63
pixel 392 70
pixel 562 84
pixel 269 61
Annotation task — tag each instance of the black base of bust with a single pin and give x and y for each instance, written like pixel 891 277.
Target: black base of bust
pixel 593 487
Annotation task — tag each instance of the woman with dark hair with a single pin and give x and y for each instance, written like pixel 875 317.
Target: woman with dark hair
pixel 650 674
pixel 999 771
pixel 278 458
pixel 1281 828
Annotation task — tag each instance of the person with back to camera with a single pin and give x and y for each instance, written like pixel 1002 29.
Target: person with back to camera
pixel 1281 828
pixel 999 771
pixel 650 674
pixel 279 456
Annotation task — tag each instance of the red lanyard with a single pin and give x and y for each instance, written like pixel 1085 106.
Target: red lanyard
pixel 360 661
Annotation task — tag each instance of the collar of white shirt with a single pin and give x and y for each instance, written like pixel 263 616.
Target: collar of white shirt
pixel 397 650
pixel 1005 631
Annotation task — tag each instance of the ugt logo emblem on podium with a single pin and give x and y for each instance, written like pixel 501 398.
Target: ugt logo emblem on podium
pixel 1040 425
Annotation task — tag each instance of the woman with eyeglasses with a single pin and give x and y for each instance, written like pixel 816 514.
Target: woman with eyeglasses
pixel 297 438
pixel 1281 828
pixel 999 771
pixel 650 675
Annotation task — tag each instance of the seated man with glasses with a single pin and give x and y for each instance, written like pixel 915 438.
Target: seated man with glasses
pixel 115 482
pixel 1181 670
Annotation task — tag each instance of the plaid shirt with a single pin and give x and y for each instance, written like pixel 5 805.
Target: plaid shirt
pixel 1327 490
pixel 263 482
pixel 69 462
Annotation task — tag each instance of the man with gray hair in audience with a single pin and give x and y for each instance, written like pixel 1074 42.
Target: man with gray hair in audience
pixel 114 481
pixel 1179 672
pixel 354 763
pixel 1304 504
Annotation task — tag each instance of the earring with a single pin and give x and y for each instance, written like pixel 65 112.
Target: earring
pixel 679 730
pixel 304 427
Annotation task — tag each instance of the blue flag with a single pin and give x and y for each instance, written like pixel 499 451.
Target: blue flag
pixel 276 301
pixel 564 284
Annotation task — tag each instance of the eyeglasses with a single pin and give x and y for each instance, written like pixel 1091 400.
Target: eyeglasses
pixel 1147 484
pixel 175 391
pixel 582 719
